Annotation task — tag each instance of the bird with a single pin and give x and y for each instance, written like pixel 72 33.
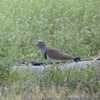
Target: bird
pixel 53 54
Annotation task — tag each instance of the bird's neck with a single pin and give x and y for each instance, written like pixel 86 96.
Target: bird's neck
pixel 43 50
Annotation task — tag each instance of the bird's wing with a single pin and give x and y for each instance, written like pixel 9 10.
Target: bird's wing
pixel 54 53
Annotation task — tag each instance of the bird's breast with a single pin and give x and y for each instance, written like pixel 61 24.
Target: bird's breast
pixel 43 52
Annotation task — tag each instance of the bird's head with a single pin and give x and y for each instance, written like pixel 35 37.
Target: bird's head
pixel 40 44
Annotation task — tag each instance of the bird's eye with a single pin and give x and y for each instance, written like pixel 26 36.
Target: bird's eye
pixel 40 42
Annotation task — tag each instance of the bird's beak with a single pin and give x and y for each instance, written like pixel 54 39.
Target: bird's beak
pixel 35 44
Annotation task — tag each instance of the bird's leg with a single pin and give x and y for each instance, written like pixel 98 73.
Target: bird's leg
pixel 56 66
pixel 56 73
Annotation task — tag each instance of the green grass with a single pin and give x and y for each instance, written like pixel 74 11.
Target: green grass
pixel 73 26
pixel 59 85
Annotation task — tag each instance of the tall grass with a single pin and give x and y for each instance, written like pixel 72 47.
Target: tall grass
pixel 71 26
pixel 59 85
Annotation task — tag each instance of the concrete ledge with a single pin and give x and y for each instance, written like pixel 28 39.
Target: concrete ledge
pixel 71 65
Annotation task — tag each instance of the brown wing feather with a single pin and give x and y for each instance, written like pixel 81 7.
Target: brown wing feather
pixel 54 53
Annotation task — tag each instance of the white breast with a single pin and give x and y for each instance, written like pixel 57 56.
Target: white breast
pixel 52 60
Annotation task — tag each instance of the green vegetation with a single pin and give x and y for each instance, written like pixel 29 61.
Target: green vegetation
pixel 72 26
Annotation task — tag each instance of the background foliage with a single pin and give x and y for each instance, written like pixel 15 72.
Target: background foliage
pixel 73 26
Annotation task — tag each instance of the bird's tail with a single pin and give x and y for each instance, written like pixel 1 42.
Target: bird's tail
pixel 77 59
